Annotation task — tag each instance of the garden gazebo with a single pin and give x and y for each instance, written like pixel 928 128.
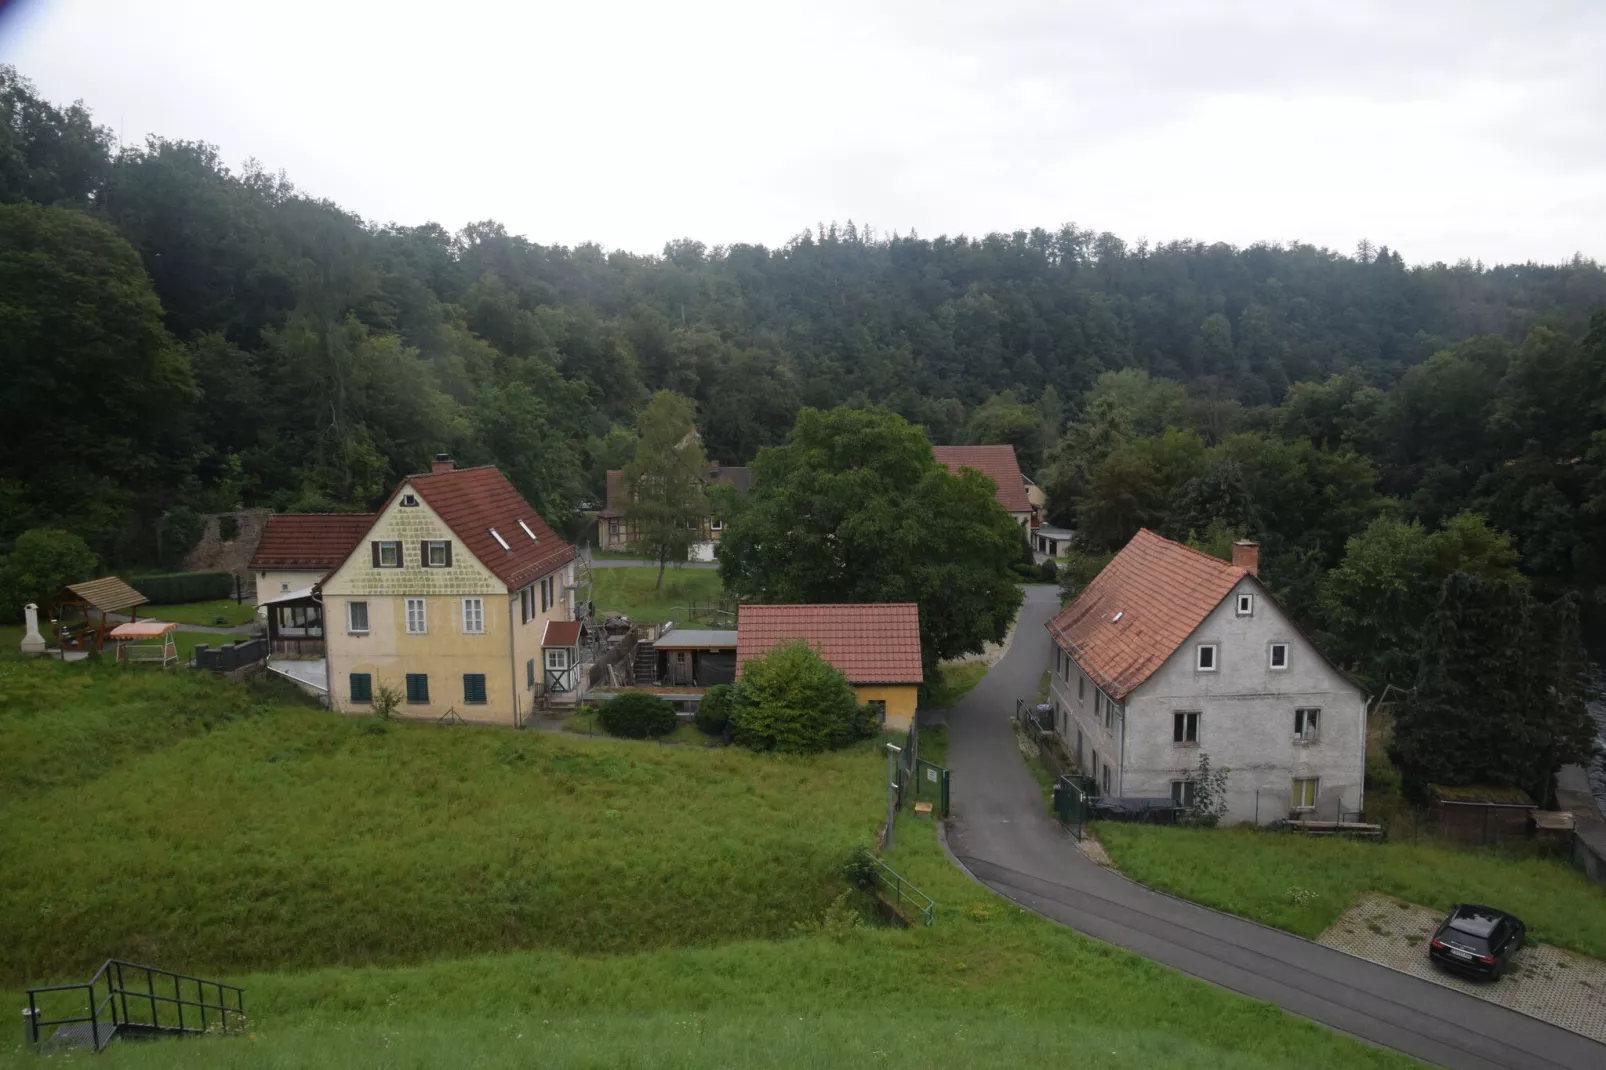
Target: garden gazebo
pixel 92 602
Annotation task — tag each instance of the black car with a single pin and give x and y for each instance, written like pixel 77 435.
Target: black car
pixel 1477 940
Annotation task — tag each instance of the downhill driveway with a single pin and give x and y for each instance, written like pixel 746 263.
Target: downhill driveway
pixel 1002 832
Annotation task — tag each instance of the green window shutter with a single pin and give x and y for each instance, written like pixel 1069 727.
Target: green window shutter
pixel 529 673
pixel 417 687
pixel 362 687
pixel 474 688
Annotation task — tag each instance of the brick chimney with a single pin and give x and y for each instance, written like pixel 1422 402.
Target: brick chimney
pixel 443 463
pixel 1246 555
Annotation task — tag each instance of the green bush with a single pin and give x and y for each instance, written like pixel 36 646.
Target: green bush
pixel 1048 571
pixel 42 562
pixel 715 709
pixel 174 588
pixel 177 532
pixel 637 715
pixel 794 701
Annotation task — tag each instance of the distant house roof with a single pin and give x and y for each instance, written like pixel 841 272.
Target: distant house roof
pixel 997 462
pixel 739 477
pixel 106 594
pixel 875 643
pixel 312 541
pixel 1140 609
pixel 472 501
pixel 561 633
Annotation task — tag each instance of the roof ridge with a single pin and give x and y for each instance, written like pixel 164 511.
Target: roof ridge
pixel 1212 558
pixel 453 471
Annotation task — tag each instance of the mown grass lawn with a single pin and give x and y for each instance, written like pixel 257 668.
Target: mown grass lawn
pixel 1302 884
pixel 635 592
pixel 635 905
pixel 207 613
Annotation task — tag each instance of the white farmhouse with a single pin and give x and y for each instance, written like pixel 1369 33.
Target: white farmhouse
pixel 1170 652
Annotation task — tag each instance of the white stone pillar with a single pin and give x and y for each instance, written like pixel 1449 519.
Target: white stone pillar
pixel 33 644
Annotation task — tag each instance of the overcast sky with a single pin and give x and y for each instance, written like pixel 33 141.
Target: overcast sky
pixel 1445 128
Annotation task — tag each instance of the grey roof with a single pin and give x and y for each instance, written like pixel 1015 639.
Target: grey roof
pixel 696 639
pixel 1052 532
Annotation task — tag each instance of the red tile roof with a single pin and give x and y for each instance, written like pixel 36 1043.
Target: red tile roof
pixel 871 643
pixel 472 501
pixel 1161 590
pixel 309 540
pixel 561 633
pixel 996 462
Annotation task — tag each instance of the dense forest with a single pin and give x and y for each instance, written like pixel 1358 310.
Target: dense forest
pixel 180 337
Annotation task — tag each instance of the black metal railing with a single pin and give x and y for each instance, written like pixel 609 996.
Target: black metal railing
pixel 129 999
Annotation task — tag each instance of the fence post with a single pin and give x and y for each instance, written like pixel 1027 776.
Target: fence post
pixel 892 792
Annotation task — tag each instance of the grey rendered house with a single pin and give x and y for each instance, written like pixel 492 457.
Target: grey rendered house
pixel 1170 652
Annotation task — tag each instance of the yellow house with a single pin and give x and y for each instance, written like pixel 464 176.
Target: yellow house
pixel 447 600
pixel 875 645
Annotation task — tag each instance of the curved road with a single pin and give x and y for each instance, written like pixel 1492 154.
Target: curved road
pixel 1002 832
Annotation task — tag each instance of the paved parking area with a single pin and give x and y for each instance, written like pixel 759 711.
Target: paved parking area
pixel 1550 984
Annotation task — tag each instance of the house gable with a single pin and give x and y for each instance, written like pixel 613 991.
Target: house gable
pixel 1243 657
pixel 411 525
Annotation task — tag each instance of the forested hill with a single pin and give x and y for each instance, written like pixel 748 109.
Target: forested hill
pixel 180 337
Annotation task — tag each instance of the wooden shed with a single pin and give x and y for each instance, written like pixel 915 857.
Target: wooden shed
pixel 1481 813
pixel 79 611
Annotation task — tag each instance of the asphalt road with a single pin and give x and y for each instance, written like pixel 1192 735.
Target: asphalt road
pixel 1002 832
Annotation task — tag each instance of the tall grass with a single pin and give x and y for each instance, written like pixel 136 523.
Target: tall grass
pixel 297 838
pixel 1302 884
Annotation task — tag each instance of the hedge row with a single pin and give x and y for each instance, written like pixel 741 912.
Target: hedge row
pixel 175 587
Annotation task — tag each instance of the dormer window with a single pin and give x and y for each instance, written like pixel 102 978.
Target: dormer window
pixel 1246 605
pixel 497 535
pixel 409 501
pixel 528 532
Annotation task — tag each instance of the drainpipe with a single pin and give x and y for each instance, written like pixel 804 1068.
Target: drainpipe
pixel 328 661
pixel 513 658
pixel 1120 712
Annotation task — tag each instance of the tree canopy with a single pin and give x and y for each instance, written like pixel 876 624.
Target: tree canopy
pixel 855 508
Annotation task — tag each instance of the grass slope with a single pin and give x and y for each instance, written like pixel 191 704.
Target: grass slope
pixel 292 838
pixel 989 985
pixel 1302 884
pixel 286 838
pixel 635 593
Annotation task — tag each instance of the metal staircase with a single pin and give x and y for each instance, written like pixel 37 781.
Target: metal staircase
pixel 125 1000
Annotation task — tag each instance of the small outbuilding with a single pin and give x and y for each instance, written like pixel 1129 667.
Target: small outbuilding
pixel 1481 813
pixel 696 657
pixel 80 612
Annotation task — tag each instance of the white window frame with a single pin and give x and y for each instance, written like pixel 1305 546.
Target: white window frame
pixel 1245 606
pixel 429 553
pixel 473 616
pixel 527 531
pixel 716 525
pixel 390 542
pixel 1215 657
pixel 1295 793
pixel 1184 792
pixel 422 617
pixel 557 658
pixel 1185 742
pixel 1307 724
pixel 1271 657
pixel 351 618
